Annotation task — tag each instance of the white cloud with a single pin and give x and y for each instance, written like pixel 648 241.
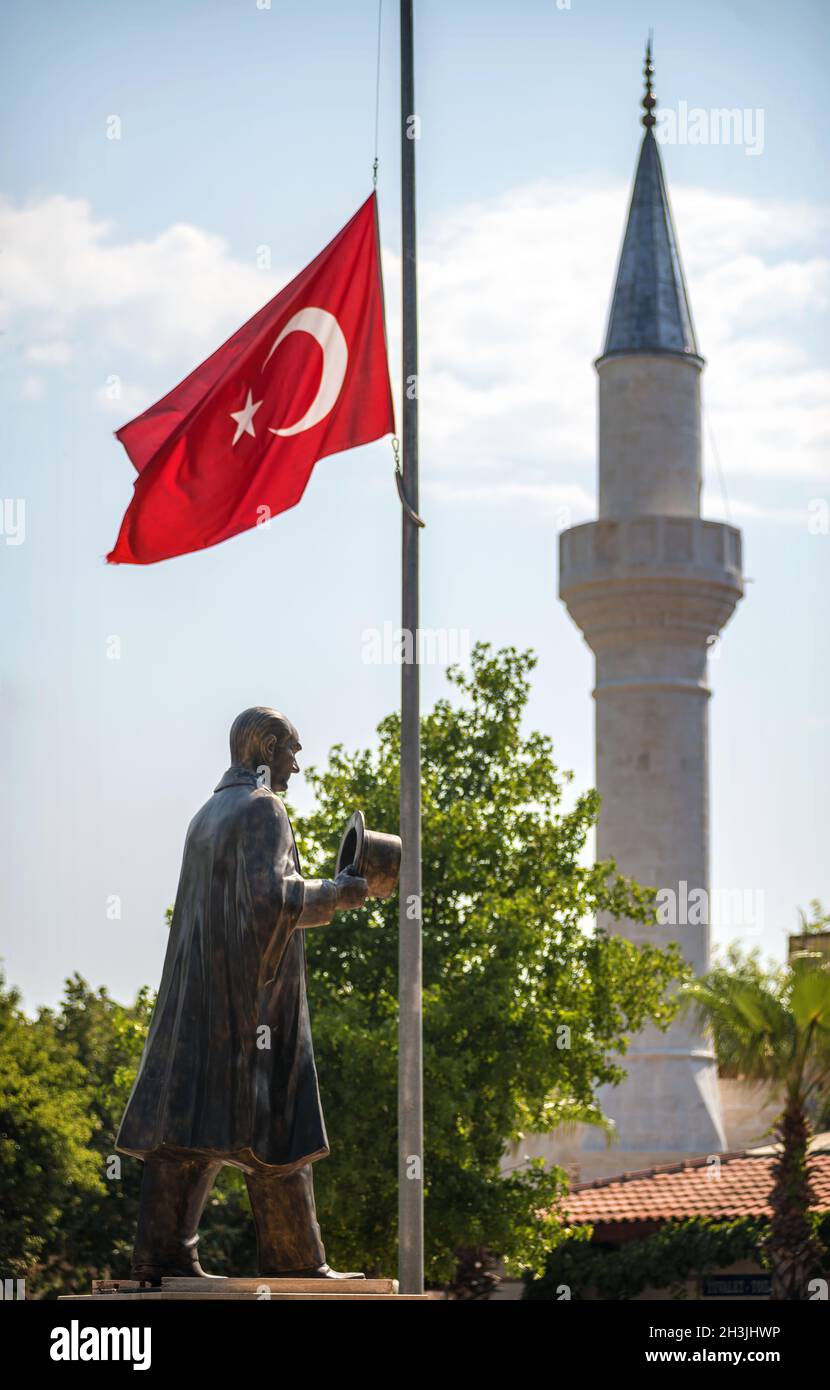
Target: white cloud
pixel 54 353
pixel 180 293
pixel 740 509
pixel 121 399
pixel 31 388
pixel 569 502
pixel 514 296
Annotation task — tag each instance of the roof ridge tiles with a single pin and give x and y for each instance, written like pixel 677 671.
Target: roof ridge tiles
pixel 637 1174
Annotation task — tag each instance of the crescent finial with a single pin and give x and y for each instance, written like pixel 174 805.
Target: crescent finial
pixel 649 100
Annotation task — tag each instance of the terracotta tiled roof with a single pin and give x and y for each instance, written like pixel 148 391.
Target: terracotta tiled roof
pixel 739 1185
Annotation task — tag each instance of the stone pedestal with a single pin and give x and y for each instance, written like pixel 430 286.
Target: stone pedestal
pixel 254 1289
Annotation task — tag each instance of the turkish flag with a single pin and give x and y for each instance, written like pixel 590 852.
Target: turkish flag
pixel 236 441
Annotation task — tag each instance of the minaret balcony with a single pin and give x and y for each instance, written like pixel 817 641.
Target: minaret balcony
pixel 650 578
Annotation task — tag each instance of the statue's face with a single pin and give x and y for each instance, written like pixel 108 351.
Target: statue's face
pixel 282 760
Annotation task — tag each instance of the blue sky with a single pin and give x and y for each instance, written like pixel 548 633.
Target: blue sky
pixel 126 261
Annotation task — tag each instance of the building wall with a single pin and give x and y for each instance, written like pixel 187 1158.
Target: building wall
pixel 747 1116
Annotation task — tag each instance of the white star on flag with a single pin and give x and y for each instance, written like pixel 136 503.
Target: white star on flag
pixel 244 418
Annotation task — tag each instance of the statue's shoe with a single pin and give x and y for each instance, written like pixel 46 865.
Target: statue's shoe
pixel 322 1272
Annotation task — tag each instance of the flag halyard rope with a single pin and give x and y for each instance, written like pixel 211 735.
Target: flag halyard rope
pixel 375 161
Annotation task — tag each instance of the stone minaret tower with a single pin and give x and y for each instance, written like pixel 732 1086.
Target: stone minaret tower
pixel 651 584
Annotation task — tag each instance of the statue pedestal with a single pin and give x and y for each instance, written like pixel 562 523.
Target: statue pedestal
pixel 254 1289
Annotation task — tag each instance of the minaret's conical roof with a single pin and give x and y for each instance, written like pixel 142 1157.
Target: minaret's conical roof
pixel 650 307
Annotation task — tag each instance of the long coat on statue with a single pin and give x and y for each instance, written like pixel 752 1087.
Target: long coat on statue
pixel 228 1067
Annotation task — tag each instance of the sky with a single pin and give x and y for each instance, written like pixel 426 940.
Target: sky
pixel 166 168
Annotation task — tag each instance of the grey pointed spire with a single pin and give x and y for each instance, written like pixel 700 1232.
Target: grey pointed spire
pixel 650 307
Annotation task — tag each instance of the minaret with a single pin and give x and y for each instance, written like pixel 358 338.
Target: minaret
pixel 650 584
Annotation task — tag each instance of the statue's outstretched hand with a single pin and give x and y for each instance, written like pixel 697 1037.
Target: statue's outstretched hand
pixel 352 891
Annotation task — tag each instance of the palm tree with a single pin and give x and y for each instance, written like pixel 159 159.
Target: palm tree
pixel 775 1029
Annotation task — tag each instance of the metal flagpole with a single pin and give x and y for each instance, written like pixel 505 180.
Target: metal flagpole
pixel 410 1064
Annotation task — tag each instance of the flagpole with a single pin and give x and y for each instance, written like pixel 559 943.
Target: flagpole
pixel 410 1060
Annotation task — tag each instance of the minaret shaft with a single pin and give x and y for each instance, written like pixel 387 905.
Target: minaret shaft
pixel 649 435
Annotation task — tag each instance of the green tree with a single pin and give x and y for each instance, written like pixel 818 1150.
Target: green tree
pixel 676 1252
pixel 526 1009
pixel 815 920
pixel 730 963
pixel 45 1135
pixel 775 1029
pixel 105 1039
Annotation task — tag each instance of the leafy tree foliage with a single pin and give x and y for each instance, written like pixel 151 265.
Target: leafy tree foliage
pixel 678 1251
pixel 105 1038
pixel 45 1134
pixel 815 920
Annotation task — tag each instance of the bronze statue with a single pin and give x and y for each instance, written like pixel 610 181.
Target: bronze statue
pixel 227 1074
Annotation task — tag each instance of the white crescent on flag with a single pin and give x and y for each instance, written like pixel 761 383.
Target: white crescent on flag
pixel 324 327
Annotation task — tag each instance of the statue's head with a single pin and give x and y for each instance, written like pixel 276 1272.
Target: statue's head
pixel 262 737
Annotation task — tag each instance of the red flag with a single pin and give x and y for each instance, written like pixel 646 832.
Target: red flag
pixel 236 441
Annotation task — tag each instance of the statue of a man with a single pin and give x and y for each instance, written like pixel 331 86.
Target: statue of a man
pixel 227 1074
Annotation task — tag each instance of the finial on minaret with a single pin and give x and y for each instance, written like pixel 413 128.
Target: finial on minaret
pixel 649 100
